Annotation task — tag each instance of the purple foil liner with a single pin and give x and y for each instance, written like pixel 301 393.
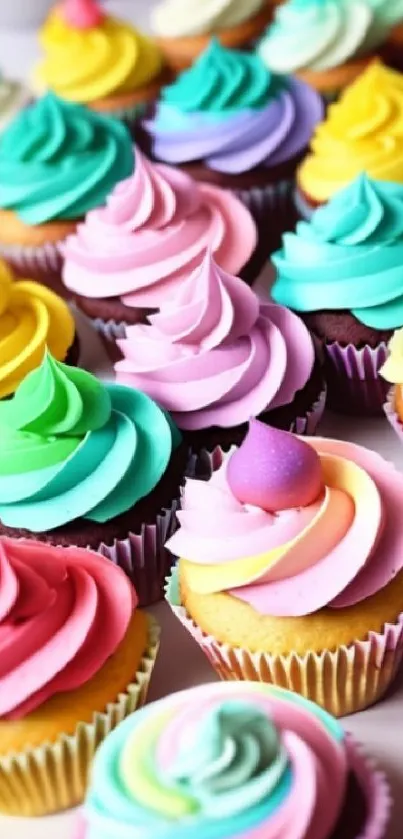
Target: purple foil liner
pixel 143 556
pixel 353 381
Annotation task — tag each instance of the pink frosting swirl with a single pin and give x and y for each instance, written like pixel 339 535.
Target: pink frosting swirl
pixel 343 546
pixel 215 354
pixel 152 232
pixel 55 606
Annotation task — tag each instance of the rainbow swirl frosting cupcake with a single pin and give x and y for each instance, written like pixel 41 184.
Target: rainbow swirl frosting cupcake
pixel 342 273
pixel 61 690
pixel 297 579
pixel 216 355
pixel 31 318
pixel 361 133
pixel 231 759
pixel 97 60
pixel 90 464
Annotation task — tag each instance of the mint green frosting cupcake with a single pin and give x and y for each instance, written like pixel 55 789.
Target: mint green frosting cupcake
pixel 58 160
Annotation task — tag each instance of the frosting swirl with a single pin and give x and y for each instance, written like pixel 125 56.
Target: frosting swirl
pixel 215 355
pixel 179 18
pixel 153 231
pixel 86 63
pixel 232 113
pixel 58 160
pixel 54 604
pixel 392 369
pixel 74 447
pixel 318 34
pixel 32 318
pixel 348 256
pixel 285 542
pixel 361 133
pixel 219 761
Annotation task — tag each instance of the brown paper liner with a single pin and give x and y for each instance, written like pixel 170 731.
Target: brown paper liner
pixel 54 776
pixel 342 681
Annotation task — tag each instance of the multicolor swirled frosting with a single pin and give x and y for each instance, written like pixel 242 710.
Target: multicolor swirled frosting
pixel 219 761
pixel 216 355
pixel 54 605
pixel 32 318
pixel 74 447
pixel 90 55
pixel 321 34
pixel 231 112
pixel 293 525
pixel 186 18
pixel 362 132
pixel 349 256
pixel 59 160
pixel 153 231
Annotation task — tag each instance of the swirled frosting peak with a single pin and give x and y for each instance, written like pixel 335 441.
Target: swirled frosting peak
pixel 392 369
pixel 348 256
pixel 55 604
pixel 32 318
pixel 90 55
pixel 340 548
pixel 153 231
pixel 362 132
pixel 58 160
pixel 234 759
pixel 181 18
pixel 216 355
pixel 231 112
pixel 73 447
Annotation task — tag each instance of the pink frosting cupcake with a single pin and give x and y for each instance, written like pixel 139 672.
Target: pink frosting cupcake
pixel 131 255
pixel 216 355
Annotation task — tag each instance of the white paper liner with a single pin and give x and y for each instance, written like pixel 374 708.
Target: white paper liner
pixel 343 681
pixel 54 776
pixel 33 261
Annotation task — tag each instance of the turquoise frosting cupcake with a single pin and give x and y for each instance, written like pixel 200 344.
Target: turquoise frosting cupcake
pixel 342 272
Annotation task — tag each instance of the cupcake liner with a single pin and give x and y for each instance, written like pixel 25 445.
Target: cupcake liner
pixel 343 681
pixel 353 382
pixel 375 787
pixel 110 332
pixel 39 261
pixel 54 776
pixel 391 415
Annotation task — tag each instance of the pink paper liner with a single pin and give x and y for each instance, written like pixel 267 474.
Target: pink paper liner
pixel 357 676
pixel 353 381
pixel 391 415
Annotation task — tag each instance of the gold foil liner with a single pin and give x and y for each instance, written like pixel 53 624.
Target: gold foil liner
pixel 342 681
pixel 54 776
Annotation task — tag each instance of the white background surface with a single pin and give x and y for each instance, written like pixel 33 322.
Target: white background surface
pixel 180 663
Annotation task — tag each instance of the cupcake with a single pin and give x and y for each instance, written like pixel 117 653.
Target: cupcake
pixel 57 161
pixel 132 255
pixel 291 567
pixel 342 273
pixel 325 43
pixel 183 29
pixel 32 318
pixel 97 60
pixel 217 355
pixel 231 122
pixel 14 97
pixel 361 133
pixel 226 760
pixel 392 372
pixel 62 691
pixel 92 465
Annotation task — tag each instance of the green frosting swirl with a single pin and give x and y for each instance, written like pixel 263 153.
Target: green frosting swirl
pixel 223 80
pixel 349 256
pixel 74 447
pixel 58 160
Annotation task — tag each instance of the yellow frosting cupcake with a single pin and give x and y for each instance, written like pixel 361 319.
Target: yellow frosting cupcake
pixel 95 59
pixel 32 317
pixel 363 132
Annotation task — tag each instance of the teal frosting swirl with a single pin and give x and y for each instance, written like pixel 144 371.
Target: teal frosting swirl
pixel 349 256
pixel 58 160
pixel 387 12
pixel 223 80
pixel 74 447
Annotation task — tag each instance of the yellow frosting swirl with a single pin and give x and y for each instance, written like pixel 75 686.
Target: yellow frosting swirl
pixel 392 369
pixel 83 65
pixel 31 318
pixel 363 132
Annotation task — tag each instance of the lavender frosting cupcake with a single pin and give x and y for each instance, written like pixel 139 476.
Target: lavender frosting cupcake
pixel 231 122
